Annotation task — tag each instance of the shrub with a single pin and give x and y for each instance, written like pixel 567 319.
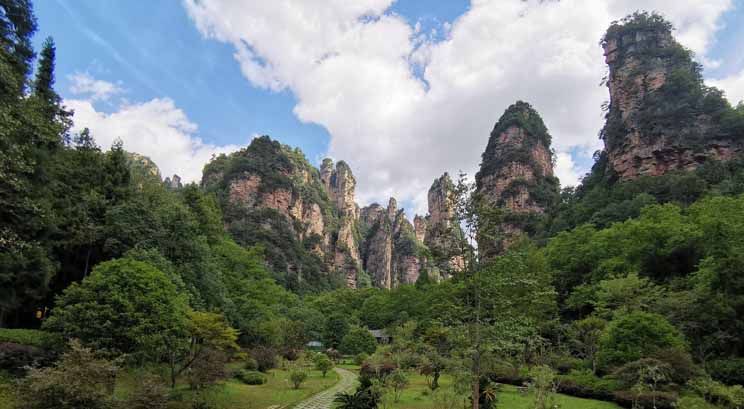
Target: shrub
pixel 646 400
pixel 150 393
pixel 265 358
pixel 398 381
pixel 297 375
pixel 693 402
pixel 251 377
pixel 78 380
pixel 323 363
pixel 360 358
pixel 718 393
pixel 15 357
pixel 208 370
pixel 729 371
pixel 250 364
pixel 358 340
pixel 635 335
pixel 584 384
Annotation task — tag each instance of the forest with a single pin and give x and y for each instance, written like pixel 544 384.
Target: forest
pixel 118 290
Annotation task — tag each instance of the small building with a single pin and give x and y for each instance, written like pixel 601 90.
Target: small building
pixel 314 346
pixel 381 336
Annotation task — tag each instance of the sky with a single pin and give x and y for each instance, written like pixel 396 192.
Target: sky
pixel 401 90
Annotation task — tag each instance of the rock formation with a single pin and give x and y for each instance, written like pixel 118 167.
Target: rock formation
pixel 392 255
pixel 340 184
pixel 660 117
pixel 305 218
pixel 173 182
pixel 444 237
pixel 516 175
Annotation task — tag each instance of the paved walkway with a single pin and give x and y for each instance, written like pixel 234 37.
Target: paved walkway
pixel 324 400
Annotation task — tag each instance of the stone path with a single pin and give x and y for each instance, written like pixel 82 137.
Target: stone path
pixel 324 400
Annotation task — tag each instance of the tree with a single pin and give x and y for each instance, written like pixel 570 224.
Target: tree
pixel 323 363
pixel 208 334
pixel 297 375
pixel 585 336
pixel 544 387
pixel 358 340
pixel 635 335
pixel 336 328
pixel 123 307
pixel 398 381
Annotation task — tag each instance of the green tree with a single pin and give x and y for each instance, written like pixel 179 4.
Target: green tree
pixel 124 306
pixel 323 363
pixel 585 336
pixel 635 335
pixel 358 340
pixel 208 335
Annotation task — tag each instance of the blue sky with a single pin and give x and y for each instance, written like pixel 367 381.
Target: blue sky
pixel 153 49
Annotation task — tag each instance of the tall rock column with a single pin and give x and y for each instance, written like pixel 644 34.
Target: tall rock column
pixel 660 118
pixel 516 176
pixel 340 185
pixel 444 237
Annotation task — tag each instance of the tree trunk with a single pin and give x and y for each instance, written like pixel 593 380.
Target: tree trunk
pixel 476 392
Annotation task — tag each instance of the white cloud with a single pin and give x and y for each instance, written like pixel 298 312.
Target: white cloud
pixel 349 63
pixel 566 170
pixel 95 89
pixel 733 85
pixel 157 129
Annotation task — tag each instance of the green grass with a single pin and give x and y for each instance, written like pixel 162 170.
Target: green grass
pixel 233 394
pixel 6 394
pixel 418 396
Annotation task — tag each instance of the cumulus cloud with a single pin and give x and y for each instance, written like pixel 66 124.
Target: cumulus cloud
pixel 156 128
pixel 95 89
pixel 351 65
pixel 733 85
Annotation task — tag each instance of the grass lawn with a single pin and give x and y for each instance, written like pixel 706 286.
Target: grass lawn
pixel 6 397
pixel 418 396
pixel 233 394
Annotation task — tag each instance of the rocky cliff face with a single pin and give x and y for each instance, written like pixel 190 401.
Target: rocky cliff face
pixel 272 196
pixel 660 118
pixel 392 255
pixel 516 174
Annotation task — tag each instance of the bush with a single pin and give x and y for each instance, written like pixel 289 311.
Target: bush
pixel 323 363
pixel 150 393
pixel 297 375
pixel 635 335
pixel 265 358
pixel 250 364
pixel 208 370
pixel 360 358
pixel 646 400
pixel 584 384
pixel 358 340
pixel 718 393
pixel 15 357
pixel 251 377
pixel 78 380
pixel 729 371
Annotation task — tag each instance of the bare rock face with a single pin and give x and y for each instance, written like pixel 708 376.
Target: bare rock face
pixel 273 196
pixel 655 121
pixel 340 184
pixel 391 251
pixel 173 182
pixel 516 174
pixel 420 224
